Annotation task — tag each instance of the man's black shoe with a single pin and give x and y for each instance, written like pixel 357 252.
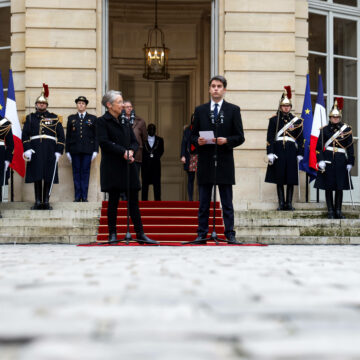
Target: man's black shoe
pixel 141 238
pixel 77 200
pixel 37 206
pixel 84 200
pixel 0 216
pixel 232 239
pixel 200 240
pixel 46 206
pixel 112 238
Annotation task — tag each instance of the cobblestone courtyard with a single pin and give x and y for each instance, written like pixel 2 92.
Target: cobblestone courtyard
pixel 278 302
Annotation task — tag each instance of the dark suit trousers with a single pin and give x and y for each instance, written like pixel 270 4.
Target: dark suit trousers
pixel 145 191
pixel 204 209
pixel 114 197
pixel 81 173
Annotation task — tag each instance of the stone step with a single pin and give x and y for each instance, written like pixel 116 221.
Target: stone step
pixel 48 222
pixel 50 214
pixel 298 214
pixel 302 240
pixel 86 206
pixel 62 239
pixel 45 231
pixel 295 222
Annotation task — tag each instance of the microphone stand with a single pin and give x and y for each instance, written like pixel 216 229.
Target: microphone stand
pixel 215 121
pixel 128 123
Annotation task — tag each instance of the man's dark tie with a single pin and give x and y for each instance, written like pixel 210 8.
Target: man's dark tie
pixel 216 111
pixel 82 116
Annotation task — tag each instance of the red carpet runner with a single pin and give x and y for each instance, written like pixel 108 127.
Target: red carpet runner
pixel 168 222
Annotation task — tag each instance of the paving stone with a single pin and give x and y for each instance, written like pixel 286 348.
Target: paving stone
pixel 61 302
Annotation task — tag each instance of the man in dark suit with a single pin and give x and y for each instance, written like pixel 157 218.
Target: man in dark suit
pixel 230 135
pixel 139 128
pixel 81 147
pixel 151 164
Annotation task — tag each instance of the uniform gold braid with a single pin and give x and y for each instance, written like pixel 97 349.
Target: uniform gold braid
pixel 4 130
pixel 49 127
pixel 295 128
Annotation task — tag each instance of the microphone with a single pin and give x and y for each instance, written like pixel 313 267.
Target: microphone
pixel 132 117
pixel 123 117
pixel 212 117
pixel 221 117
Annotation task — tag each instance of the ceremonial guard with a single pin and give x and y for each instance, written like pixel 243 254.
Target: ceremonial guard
pixel 335 156
pixel 151 163
pixel 6 151
pixel 43 140
pixel 285 149
pixel 81 147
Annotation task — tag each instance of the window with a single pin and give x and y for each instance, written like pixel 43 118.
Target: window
pixel 333 48
pixel 5 42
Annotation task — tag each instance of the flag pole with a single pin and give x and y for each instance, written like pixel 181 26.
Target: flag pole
pixel 307 188
pixel 12 185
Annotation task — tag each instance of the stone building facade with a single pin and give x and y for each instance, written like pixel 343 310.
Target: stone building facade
pixel 82 47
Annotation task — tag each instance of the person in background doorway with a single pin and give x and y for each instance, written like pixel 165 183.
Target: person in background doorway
pixel 189 158
pixel 151 164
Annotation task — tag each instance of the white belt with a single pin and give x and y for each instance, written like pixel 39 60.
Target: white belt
pixel 287 138
pixel 2 143
pixel 43 137
pixel 336 149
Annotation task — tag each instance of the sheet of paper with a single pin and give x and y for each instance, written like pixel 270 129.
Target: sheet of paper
pixel 208 136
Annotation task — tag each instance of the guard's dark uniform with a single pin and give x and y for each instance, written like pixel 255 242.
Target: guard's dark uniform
pixel 151 168
pixel 81 143
pixel 284 170
pixel 6 150
pixel 337 155
pixel 43 133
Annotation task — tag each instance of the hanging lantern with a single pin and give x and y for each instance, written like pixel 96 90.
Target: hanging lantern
pixel 156 54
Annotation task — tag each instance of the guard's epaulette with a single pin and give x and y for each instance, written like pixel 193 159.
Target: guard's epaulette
pixel 23 119
pixel 349 126
pixel 323 126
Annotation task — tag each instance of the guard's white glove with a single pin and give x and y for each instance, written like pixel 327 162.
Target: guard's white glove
pixel 7 163
pixel 299 157
pixel 348 167
pixel 94 155
pixel 69 156
pixel 271 158
pixel 322 165
pixel 28 154
pixel 57 156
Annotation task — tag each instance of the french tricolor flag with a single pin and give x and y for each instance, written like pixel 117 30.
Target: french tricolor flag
pixel 18 163
pixel 319 121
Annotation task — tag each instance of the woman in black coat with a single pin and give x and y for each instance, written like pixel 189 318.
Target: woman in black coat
pixel 285 148
pixel 335 156
pixel 115 137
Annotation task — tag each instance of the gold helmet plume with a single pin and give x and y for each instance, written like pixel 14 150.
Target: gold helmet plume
pixel 44 95
pixel 336 110
pixel 286 97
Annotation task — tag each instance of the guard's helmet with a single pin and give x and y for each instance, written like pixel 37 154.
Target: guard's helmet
pixel 43 96
pixel 336 110
pixel 286 97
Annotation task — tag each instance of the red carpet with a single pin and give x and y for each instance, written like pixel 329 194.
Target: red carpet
pixel 168 222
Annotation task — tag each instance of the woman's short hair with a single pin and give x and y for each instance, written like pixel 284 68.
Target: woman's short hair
pixel 110 97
